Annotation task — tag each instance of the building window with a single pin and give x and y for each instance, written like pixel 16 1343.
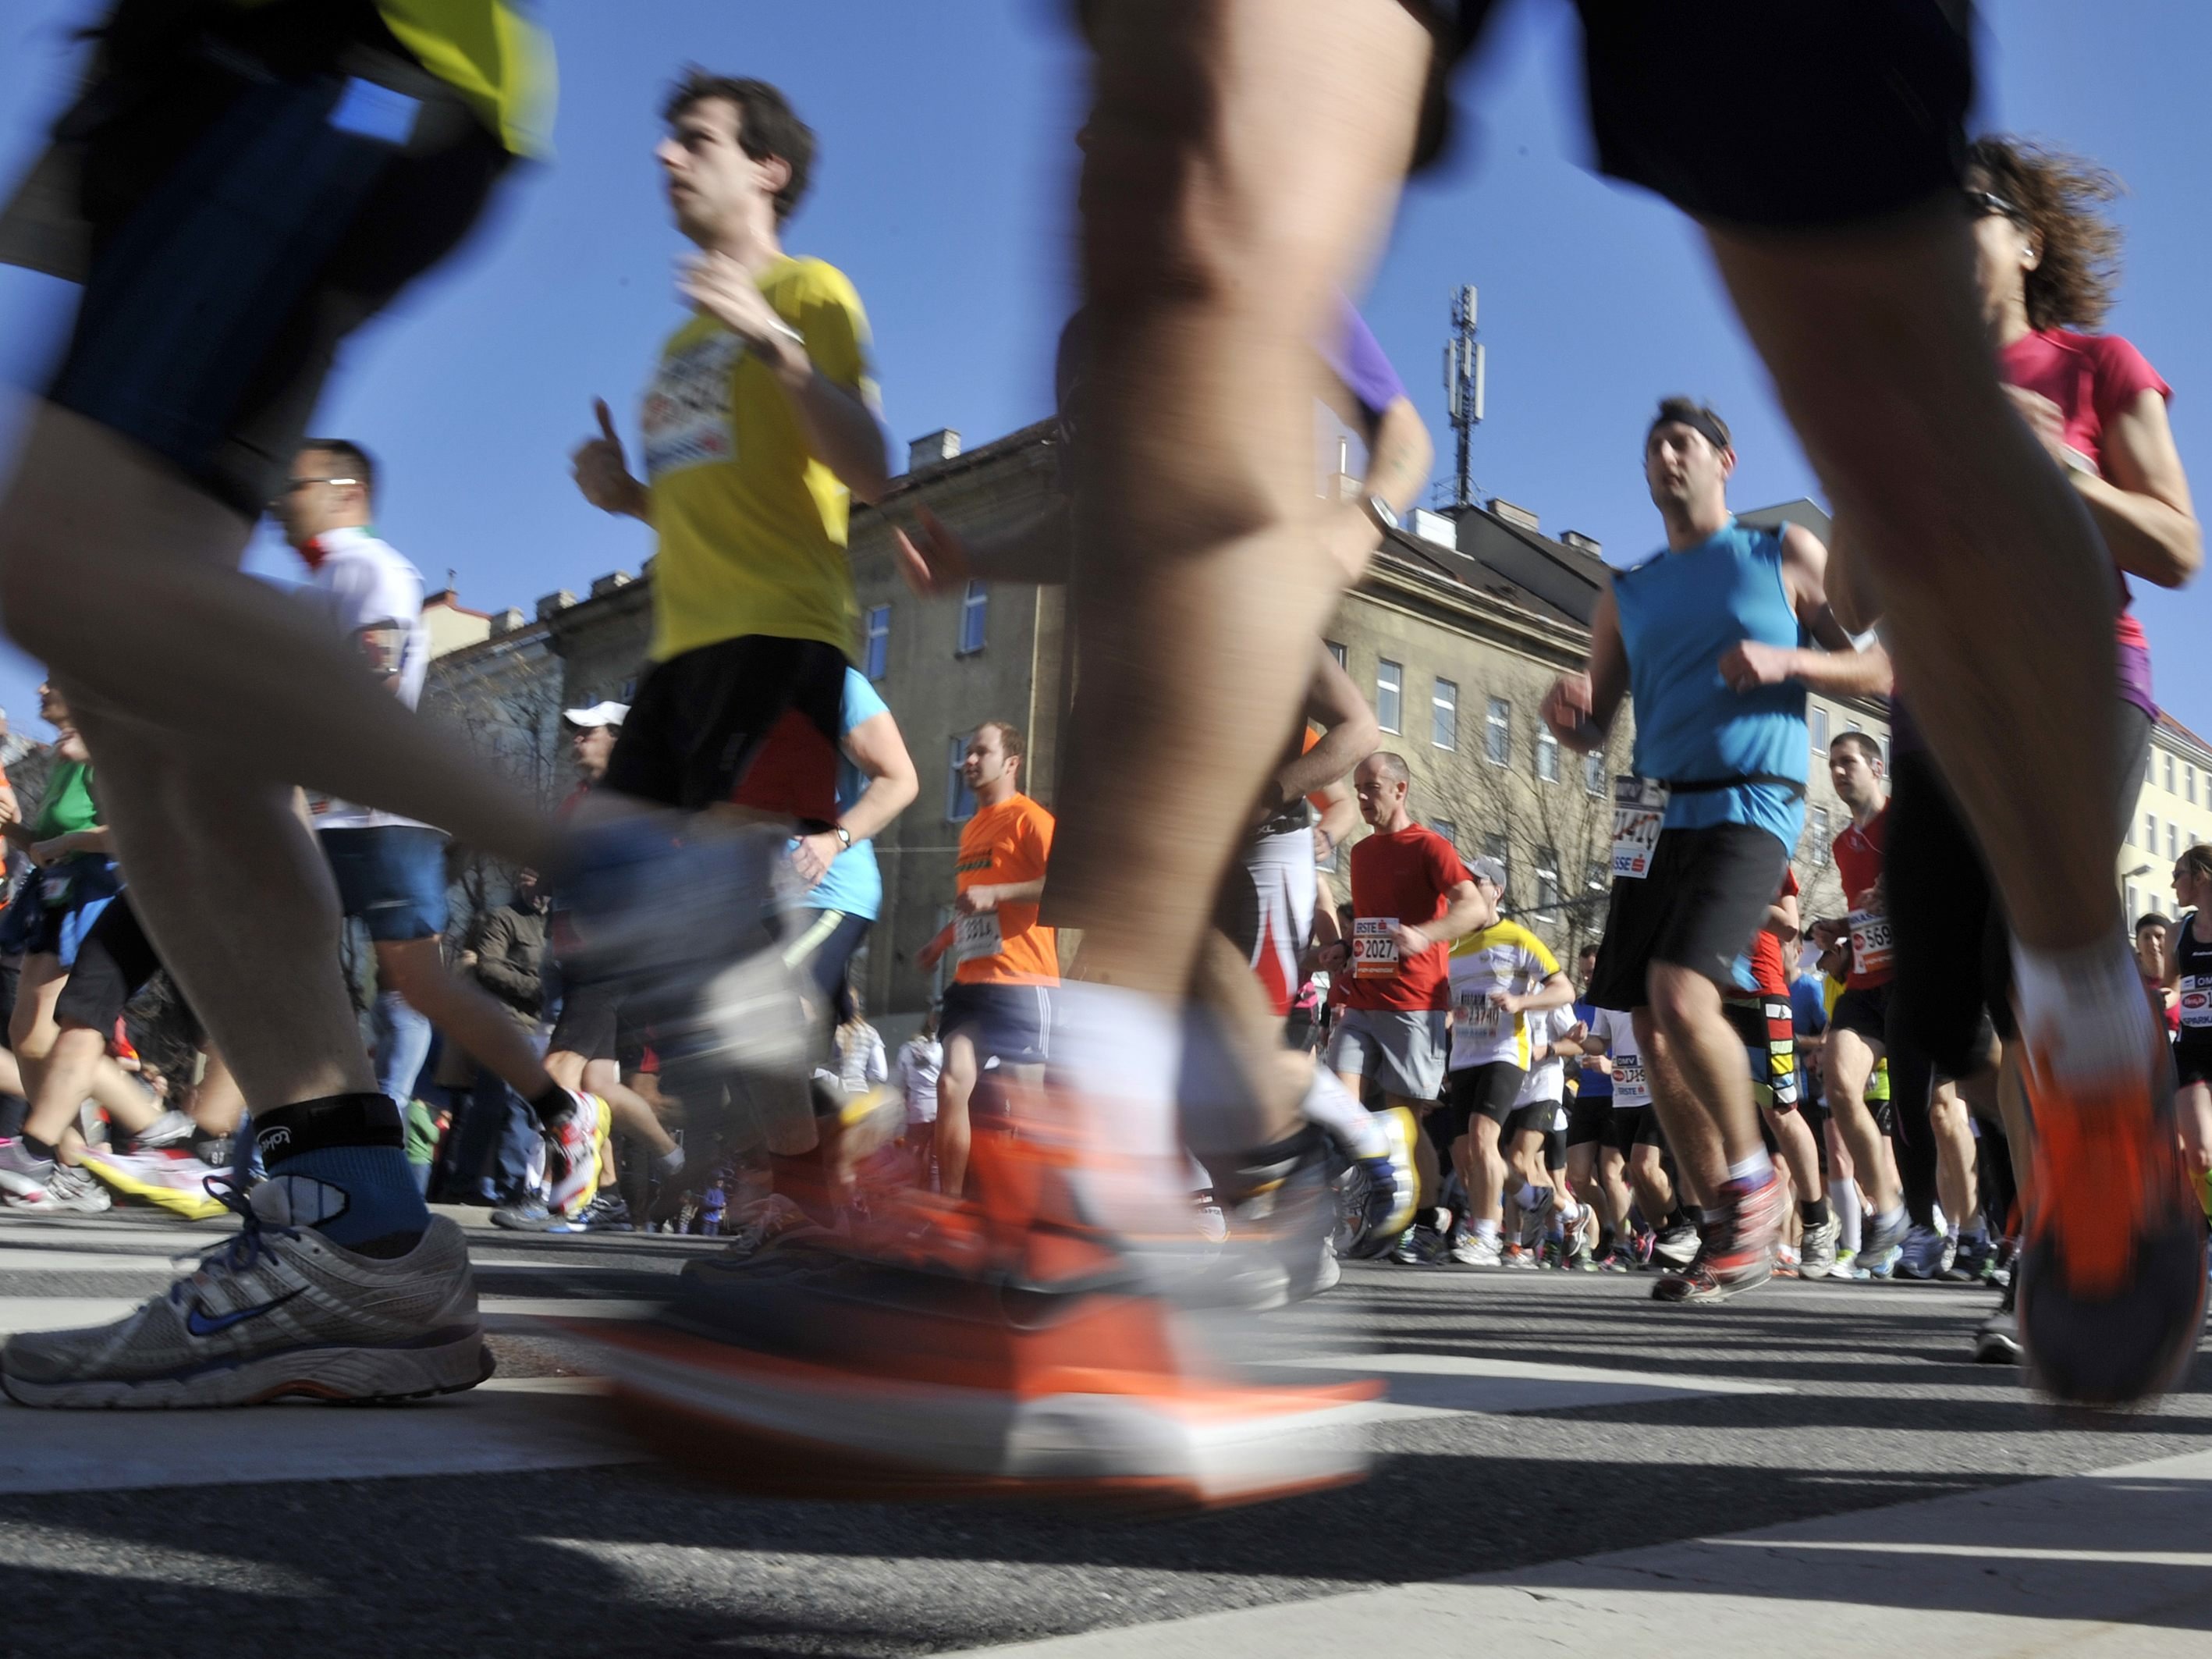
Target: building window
pixel 876 654
pixel 959 798
pixel 1335 651
pixel 2188 775
pixel 1547 755
pixel 975 611
pixel 1443 715
pixel 1598 873
pixel 1850 725
pixel 1594 772
pixel 1494 846
pixel 2169 776
pixel 1389 695
pixel 2172 839
pixel 1447 829
pixel 1818 857
pixel 1547 885
pixel 2130 919
pixel 630 690
pixel 1817 720
pixel 2150 834
pixel 1498 737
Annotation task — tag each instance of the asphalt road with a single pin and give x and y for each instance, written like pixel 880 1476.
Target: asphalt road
pixel 1538 1419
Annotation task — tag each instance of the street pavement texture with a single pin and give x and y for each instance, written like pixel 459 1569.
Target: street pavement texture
pixel 1562 1465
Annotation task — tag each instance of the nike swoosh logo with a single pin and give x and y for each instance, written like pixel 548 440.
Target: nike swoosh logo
pixel 200 1322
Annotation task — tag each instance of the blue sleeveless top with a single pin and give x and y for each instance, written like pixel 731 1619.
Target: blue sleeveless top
pixel 1680 612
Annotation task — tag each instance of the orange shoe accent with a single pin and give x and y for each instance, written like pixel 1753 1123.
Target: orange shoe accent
pixel 2105 1163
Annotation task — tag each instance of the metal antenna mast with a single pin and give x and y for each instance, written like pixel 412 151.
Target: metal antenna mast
pixel 1463 374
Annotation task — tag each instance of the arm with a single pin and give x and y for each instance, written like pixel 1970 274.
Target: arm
pixel 1851 592
pixel 1836 667
pixel 976 900
pixel 1556 992
pixel 1340 816
pixel 2143 510
pixel 927 957
pixel 1399 455
pixel 94 839
pixel 1580 707
pixel 1466 910
pixel 1034 549
pixel 876 747
pixel 1349 736
pixel 1781 918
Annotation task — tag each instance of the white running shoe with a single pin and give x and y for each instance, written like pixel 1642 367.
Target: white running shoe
pixel 1473 1250
pixel 67 1190
pixel 277 1309
pixel 572 1154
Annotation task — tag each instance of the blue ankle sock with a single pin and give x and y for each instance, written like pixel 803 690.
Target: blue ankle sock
pixel 381 1199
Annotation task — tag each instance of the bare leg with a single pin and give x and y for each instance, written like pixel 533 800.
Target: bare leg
pixel 1243 158
pixel 1878 349
pixel 1485 1174
pixel 1655 1193
pixel 956 1085
pixel 31 1028
pixel 1801 1156
pixel 633 1114
pixel 1954 1154
pixel 471 1016
pixel 1709 1082
pixel 216 1103
pixel 1850 1061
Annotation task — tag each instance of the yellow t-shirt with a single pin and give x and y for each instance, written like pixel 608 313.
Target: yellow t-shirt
pixel 751 526
pixel 490 53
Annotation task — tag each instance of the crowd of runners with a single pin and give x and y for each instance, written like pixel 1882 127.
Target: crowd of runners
pixel 1125 1157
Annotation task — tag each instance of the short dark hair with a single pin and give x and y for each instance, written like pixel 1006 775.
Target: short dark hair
pixel 767 125
pixel 1864 740
pixel 1011 743
pixel 1701 418
pixel 2152 919
pixel 349 454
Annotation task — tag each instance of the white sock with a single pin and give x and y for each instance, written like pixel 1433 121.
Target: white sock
pixel 1121 1053
pixel 2083 1011
pixel 1757 1169
pixel 1329 1104
pixel 1485 1229
pixel 1844 1199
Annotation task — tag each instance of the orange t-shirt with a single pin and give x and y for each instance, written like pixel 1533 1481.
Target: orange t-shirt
pixel 1000 846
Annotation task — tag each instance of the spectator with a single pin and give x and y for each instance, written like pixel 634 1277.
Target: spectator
pixel 861 1061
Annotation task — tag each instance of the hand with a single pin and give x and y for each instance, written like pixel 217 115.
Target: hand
pixel 601 473
pixel 1506 1003
pixel 9 812
pixel 1335 958
pixel 1567 709
pixel 977 901
pixel 1750 664
pixel 1411 941
pixel 814 855
pixel 1599 1063
pixel 725 291
pixel 1827 930
pixel 930 954
pixel 2048 421
pixel 53 851
pixel 942 564
pixel 466 959
pixel 1324 845
pixel 1351 539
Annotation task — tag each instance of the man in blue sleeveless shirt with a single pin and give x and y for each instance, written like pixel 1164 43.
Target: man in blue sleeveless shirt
pixel 1716 637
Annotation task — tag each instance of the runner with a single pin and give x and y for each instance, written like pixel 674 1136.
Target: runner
pixel 1595 1166
pixel 2111 1256
pixel 920 1060
pixel 1411 898
pixel 996 1013
pixel 1717 802
pixel 1500 976
pixel 1535 1141
pixel 1636 1142
pixel 2189 980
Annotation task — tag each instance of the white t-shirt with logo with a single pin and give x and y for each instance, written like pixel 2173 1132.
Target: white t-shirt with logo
pixel 1547 1079
pixel 1631 1089
pixel 363 583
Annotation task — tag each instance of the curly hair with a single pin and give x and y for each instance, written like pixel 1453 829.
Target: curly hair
pixel 2060 197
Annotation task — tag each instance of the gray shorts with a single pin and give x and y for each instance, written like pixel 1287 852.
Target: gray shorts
pixel 1403 1052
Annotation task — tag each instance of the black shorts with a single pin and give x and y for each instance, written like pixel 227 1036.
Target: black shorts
pixel 238 232
pixel 590 1023
pixel 1707 894
pixel 1768 1029
pixel 1537 1118
pixel 1864 1010
pixel 1479 1092
pixel 1589 1120
pixel 823 944
pixel 1636 1126
pixel 1882 88
pixel 1011 1024
pixel 1951 991
pixel 2192 1062
pixel 112 965
pixel 753 721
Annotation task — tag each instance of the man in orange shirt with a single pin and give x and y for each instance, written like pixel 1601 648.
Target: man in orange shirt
pixel 1000 1005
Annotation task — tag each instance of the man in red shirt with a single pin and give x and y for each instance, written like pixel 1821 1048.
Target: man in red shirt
pixel 1411 897
pixel 1857 1034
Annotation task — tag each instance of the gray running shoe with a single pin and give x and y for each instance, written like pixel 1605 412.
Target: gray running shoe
pixel 1676 1246
pixel 170 1129
pixel 1996 1339
pixel 1877 1238
pixel 1816 1249
pixel 67 1190
pixel 1923 1254
pixel 23 1173
pixel 275 1310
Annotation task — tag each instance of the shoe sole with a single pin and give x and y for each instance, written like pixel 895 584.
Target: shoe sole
pixel 174 1199
pixel 348 1376
pixel 788 1428
pixel 2131 1346
pixel 1996 1350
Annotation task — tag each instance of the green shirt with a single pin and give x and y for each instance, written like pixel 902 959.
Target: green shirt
pixel 68 803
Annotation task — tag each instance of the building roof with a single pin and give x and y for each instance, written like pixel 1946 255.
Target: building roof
pixel 2182 738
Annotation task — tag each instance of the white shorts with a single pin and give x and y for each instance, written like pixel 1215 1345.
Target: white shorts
pixel 1267 909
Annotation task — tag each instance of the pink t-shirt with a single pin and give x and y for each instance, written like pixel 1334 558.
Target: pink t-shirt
pixel 2092 379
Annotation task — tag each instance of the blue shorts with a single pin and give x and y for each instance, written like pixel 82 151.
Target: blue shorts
pixel 392 877
pixel 1010 1024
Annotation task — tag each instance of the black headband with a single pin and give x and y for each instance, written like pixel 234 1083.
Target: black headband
pixel 1698 421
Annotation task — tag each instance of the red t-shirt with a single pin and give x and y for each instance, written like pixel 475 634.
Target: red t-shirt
pixel 1768 972
pixel 1858 862
pixel 1404 877
pixel 2094 379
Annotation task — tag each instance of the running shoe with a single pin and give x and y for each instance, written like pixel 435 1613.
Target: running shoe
pixel 1785 1261
pixel 170 1129
pixel 1880 1234
pixel 1739 1247
pixel 572 1153
pixel 1816 1249
pixel 1419 1246
pixel 754 1226
pixel 1376 1196
pixel 1847 1265
pixel 23 1173
pixel 2112 1262
pixel 1975 1260
pixel 607 1213
pixel 67 1190
pixel 530 1215
pixel 1996 1339
pixel 1474 1250
pixel 1518 1257
pixel 1922 1255
pixel 1882 1265
pixel 1580 1258
pixel 999 1347
pixel 173 1179
pixel 1676 1246
pixel 275 1311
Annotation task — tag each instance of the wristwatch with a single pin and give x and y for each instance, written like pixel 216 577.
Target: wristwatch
pixel 1385 516
pixel 844 838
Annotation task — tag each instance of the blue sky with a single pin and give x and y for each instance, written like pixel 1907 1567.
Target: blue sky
pixel 942 190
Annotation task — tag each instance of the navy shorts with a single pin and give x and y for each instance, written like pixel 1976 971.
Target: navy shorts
pixel 392 877
pixel 1010 1024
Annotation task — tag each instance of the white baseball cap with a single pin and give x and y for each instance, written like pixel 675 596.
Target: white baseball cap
pixel 1487 869
pixel 599 714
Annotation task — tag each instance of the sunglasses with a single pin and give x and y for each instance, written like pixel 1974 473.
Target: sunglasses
pixel 294 486
pixel 1981 203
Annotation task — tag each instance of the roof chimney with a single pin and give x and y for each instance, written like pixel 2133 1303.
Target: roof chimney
pixel 1512 514
pixel 611 582
pixel 932 447
pixel 1434 527
pixel 1587 544
pixel 505 622
pixel 553 603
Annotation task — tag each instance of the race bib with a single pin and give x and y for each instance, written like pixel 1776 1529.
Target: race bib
pixel 1478 1015
pixel 975 937
pixel 1872 942
pixel 687 412
pixel 1375 947
pixel 2196 1001
pixel 1639 806
pixel 1628 1076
